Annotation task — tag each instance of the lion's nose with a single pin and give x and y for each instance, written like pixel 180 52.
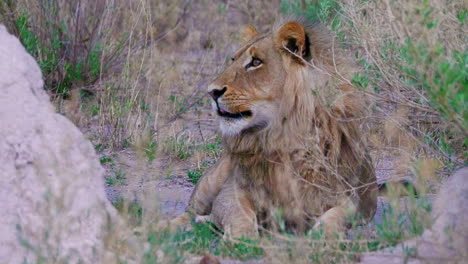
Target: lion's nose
pixel 216 93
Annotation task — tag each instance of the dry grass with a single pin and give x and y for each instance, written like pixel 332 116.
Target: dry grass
pixel 401 46
pixel 144 65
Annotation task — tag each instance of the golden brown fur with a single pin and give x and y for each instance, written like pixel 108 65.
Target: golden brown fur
pixel 290 124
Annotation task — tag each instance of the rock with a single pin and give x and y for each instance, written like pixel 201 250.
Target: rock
pixel 53 204
pixel 447 240
pixel 209 259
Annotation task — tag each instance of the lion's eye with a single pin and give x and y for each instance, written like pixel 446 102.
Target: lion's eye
pixel 255 62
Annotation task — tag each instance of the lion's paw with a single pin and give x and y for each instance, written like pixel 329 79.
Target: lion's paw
pixel 199 219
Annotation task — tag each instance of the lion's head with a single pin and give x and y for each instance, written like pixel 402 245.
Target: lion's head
pixel 275 76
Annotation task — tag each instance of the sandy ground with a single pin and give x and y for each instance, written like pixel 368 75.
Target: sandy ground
pixel 163 181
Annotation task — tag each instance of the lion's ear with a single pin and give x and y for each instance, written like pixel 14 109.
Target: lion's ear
pixel 248 33
pixel 292 38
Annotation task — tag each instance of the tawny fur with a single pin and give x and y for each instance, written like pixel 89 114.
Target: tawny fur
pixel 305 162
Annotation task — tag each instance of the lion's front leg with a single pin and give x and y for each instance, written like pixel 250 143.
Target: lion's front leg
pixel 209 186
pixel 333 221
pixel 233 212
pixel 204 194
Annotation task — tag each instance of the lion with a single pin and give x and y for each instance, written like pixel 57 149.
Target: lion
pixel 290 121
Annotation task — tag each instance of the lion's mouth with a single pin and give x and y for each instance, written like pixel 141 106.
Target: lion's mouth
pixel 224 113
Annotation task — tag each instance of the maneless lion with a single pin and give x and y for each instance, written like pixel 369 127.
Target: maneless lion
pixel 294 155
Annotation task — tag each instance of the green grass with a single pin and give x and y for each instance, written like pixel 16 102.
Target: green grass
pixel 360 81
pixel 201 239
pixel 462 16
pixel 94 110
pixel 104 159
pixel 99 147
pixel 132 210
pixel 319 11
pixel 175 247
pixel 27 37
pixel 150 150
pixel 214 148
pixel 178 147
pixel 242 249
pixel 398 225
pixel 111 181
pixel 62 72
pixel 118 178
pixel 195 174
pixel 443 78
pixel 179 104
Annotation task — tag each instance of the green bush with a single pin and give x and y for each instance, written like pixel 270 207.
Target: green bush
pixel 63 72
pixel 64 38
pixel 443 78
pixel 419 70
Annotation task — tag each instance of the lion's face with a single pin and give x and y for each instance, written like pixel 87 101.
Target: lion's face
pixel 248 94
